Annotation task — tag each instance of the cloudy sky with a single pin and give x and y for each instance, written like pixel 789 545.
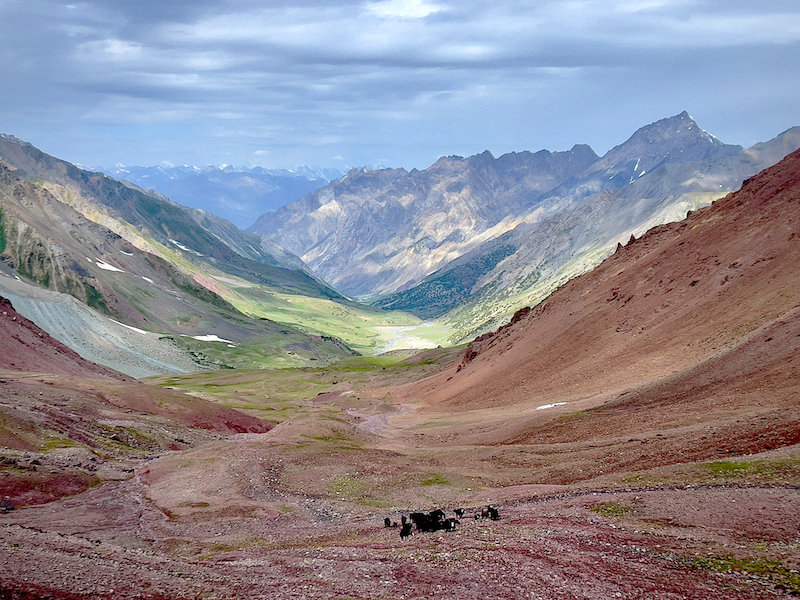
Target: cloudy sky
pixel 385 82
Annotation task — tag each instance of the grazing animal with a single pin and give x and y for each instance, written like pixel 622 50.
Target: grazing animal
pixel 420 520
pixel 405 531
pixel 459 512
pixel 489 512
pixel 432 521
pixel 450 524
pixel 387 522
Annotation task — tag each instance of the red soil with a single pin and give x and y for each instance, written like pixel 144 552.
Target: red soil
pixel 678 296
pixel 25 347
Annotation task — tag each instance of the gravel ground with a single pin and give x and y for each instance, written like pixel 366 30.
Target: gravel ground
pixel 111 542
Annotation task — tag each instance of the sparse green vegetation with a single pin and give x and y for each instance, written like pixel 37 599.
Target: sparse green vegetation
pixel 95 299
pixel 775 570
pixel 347 486
pixel 364 329
pixel 59 442
pixel 2 232
pixel 777 471
pixel 612 509
pixel 434 479
pixel 279 393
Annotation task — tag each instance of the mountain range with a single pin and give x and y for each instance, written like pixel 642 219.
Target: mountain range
pixel 698 316
pixel 139 283
pixel 471 240
pixel 239 195
pixel 133 280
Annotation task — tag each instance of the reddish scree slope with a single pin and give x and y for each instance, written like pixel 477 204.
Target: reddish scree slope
pixel 25 347
pixel 709 286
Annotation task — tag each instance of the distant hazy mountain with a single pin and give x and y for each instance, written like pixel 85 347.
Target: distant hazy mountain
pixel 239 195
pixel 475 239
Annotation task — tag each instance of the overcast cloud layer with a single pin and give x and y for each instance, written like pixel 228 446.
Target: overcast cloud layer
pixel 390 82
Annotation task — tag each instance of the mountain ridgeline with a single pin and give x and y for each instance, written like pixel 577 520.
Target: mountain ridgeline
pixel 237 195
pixel 146 263
pixel 132 280
pixel 471 240
pixel 374 232
pixel 702 310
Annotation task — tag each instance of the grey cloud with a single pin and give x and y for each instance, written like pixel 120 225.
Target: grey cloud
pixel 369 80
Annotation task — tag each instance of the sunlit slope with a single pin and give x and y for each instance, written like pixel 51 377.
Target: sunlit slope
pixel 660 174
pixel 679 295
pixel 165 290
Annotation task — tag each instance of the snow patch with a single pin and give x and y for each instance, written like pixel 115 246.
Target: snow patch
pixel 107 267
pixel 126 253
pixel 210 338
pixel 136 329
pixel 185 248
pixel 544 406
pixel 147 279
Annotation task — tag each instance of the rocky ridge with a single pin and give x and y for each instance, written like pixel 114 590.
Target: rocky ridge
pixel 472 240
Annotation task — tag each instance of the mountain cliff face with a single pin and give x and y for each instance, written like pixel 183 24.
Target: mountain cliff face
pixel 373 232
pixel 378 234
pixel 662 172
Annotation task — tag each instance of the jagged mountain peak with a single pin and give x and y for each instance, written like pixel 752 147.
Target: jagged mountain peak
pixel 675 139
pixel 365 233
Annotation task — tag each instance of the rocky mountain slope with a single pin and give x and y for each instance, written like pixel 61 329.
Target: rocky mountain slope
pixel 67 424
pixel 444 249
pixel 138 260
pixel 154 215
pixel 28 348
pixel 697 316
pixel 535 258
pixel 239 195
pixel 374 232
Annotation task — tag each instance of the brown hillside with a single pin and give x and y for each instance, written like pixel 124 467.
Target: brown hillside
pixel 703 289
pixel 25 347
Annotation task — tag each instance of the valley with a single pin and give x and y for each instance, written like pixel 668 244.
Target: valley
pixel 637 430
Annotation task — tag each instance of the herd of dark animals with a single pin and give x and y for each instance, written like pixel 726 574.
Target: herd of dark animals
pixel 436 521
